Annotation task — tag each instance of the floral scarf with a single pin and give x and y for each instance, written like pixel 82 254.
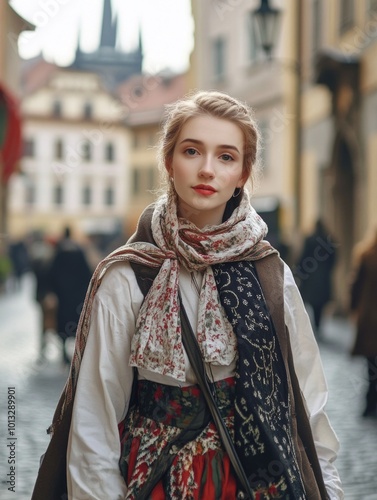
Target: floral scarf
pixel 157 343
pixel 177 242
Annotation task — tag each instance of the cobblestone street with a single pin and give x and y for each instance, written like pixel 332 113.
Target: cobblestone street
pixel 37 389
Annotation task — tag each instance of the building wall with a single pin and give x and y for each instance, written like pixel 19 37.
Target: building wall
pixel 33 197
pixel 11 25
pixel 144 174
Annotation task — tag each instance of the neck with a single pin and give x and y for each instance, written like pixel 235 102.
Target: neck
pixel 200 219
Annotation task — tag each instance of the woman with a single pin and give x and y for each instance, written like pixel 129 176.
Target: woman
pixel 363 306
pixel 206 244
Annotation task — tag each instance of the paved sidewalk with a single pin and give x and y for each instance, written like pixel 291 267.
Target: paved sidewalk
pixel 37 389
pixel 346 377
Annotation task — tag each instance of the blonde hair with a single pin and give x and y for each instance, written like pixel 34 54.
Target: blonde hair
pixel 215 104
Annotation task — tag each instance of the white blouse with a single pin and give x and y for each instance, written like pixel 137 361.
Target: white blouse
pixel 105 383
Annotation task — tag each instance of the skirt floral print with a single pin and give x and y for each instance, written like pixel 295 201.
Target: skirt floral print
pixel 201 469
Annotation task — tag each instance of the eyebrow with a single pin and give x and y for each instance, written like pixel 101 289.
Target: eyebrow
pixel 225 146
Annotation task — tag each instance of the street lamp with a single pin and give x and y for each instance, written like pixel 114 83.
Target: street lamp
pixel 267 20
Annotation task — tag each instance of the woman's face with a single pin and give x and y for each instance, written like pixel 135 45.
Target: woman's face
pixel 206 168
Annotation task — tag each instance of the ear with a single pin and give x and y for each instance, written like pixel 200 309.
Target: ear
pixel 242 181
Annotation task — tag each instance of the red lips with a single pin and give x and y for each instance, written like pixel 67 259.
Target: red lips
pixel 204 189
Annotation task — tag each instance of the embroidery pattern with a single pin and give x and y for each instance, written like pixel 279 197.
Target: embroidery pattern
pixel 262 411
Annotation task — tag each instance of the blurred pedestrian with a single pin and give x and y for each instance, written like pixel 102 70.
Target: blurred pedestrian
pixel 197 304
pixel 19 256
pixel 314 271
pixel 363 306
pixel 69 278
pixel 41 252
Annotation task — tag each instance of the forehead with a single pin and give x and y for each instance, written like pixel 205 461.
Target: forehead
pixel 210 129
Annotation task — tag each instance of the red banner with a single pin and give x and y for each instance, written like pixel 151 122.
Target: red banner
pixel 10 133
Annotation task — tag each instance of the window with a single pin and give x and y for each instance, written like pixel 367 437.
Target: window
pixel 109 196
pixel 86 195
pixel 109 152
pixel 29 148
pixel 58 149
pixel 58 195
pixel 219 58
pixel 136 181
pixel 57 109
pixel 86 151
pixel 347 15
pixel 88 111
pixel 30 192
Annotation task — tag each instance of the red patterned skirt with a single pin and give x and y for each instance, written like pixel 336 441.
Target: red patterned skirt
pixel 201 469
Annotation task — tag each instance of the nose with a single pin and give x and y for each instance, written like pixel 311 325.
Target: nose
pixel 207 168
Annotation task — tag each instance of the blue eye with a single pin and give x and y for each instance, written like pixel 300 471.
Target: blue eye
pixel 226 157
pixel 191 151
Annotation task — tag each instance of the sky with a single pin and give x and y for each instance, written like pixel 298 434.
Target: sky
pixel 167 29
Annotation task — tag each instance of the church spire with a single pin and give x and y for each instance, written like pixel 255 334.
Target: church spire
pixel 140 44
pixel 109 27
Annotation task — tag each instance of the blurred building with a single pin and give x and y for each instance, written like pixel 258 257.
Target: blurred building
pixel 11 25
pixel 315 102
pixel 76 152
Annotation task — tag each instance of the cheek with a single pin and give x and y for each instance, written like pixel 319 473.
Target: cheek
pixel 229 178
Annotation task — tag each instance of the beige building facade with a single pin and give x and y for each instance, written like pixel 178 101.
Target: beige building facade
pixel 74 169
pixel 11 25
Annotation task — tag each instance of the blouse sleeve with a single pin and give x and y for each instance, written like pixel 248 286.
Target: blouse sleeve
pixel 103 391
pixel 308 366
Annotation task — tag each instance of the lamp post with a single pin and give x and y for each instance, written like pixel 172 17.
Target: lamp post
pixel 266 20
